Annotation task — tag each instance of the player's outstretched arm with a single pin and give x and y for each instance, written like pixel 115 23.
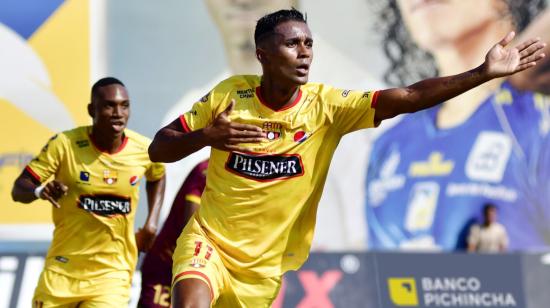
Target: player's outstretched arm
pixel 25 190
pixel 172 143
pixel 145 236
pixel 499 62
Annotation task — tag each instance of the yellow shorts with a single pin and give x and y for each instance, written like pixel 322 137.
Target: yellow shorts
pixel 57 290
pixel 195 257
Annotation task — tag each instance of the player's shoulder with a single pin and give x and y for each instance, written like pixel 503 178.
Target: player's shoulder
pixel 137 139
pixel 72 136
pixel 238 82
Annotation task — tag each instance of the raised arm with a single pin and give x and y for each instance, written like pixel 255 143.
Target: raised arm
pixel 173 142
pixel 499 62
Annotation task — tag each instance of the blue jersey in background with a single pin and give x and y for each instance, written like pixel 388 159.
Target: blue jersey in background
pixel 426 186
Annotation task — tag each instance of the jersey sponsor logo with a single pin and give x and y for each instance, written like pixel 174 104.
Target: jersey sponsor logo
pixel 204 99
pixel 434 166
pixel 84 176
pixel 300 136
pixel 489 156
pixel 134 180
pixel 82 143
pixel 345 93
pixel 61 259
pixel 105 204
pixel 262 167
pixel 110 177
pixel 248 93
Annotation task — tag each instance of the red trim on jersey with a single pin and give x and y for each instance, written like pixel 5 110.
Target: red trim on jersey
pixel 374 99
pixel 34 175
pixel 201 275
pixel 100 149
pixel 261 99
pixel 184 124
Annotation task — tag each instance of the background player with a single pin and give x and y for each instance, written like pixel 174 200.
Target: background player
pixel 488 145
pixel 273 137
pixel 96 172
pixel 156 270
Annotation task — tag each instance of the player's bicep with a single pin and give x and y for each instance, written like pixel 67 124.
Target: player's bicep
pixel 393 102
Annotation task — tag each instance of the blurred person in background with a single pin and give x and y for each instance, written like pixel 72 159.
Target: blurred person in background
pixel 489 236
pixel 156 269
pixel 344 191
pixel 91 175
pixel 489 144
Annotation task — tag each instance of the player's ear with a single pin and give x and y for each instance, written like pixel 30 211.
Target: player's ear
pixel 261 56
pixel 91 110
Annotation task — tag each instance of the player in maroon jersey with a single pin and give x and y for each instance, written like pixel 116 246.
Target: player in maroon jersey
pixel 156 271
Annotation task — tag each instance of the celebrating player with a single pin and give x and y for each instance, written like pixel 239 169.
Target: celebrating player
pixel 272 139
pixel 156 271
pixel 91 175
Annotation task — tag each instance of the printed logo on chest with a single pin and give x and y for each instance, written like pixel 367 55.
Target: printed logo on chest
pixel 262 167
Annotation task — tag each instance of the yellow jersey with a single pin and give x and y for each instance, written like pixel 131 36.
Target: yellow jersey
pixel 94 228
pixel 259 207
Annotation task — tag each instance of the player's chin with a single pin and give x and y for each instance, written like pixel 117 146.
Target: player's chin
pixel 300 79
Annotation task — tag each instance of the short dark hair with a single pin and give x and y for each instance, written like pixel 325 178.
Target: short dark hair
pixel 106 81
pixel 266 25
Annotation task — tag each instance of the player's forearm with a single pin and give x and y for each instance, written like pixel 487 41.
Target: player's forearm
pixel 428 93
pixel 23 190
pixel 155 196
pixel 170 145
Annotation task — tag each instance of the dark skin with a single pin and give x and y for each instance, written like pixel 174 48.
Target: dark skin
pixel 110 110
pixel 285 57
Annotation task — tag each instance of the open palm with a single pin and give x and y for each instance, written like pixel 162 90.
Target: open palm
pixel 501 61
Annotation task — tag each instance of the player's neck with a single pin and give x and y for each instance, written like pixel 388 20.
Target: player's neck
pixel 278 96
pixel 108 143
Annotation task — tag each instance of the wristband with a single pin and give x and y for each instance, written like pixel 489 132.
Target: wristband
pixel 38 190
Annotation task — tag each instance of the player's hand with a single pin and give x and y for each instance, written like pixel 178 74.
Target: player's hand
pixel 501 61
pixel 145 237
pixel 225 135
pixel 53 191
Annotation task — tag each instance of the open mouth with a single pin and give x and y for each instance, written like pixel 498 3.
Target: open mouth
pixel 118 124
pixel 303 68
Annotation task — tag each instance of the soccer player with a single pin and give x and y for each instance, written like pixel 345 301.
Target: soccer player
pixel 272 138
pixel 91 175
pixel 156 270
pixel 490 145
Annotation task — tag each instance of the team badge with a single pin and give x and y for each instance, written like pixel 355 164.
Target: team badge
pixel 84 176
pixel 134 180
pixel 110 177
pixel 272 131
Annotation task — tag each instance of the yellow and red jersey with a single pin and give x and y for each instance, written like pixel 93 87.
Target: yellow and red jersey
pixel 259 207
pixel 94 228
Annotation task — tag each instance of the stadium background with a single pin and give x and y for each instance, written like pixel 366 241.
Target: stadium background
pixel 52 50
